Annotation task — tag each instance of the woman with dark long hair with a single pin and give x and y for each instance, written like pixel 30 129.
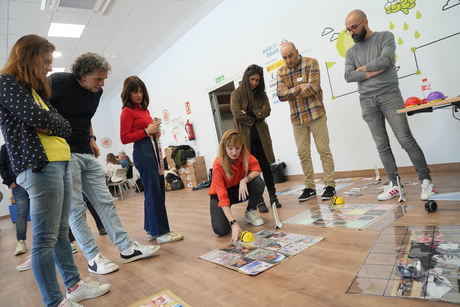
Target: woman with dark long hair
pixel 250 107
pixel 34 133
pixel 138 127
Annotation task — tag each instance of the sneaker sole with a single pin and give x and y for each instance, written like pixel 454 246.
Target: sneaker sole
pixel 141 256
pixel 304 199
pixel 327 197
pixel 170 241
pixel 255 224
pixel 113 269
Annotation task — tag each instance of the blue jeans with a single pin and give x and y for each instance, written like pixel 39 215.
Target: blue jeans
pixel 88 176
pixel 155 216
pixel 50 196
pixel 21 199
pixel 375 111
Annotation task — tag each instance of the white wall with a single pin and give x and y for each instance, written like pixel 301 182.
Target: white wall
pixel 234 36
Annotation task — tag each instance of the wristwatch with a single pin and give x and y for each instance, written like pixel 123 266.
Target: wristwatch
pixel 92 137
pixel 232 222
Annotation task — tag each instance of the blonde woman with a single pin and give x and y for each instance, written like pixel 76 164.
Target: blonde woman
pixel 235 178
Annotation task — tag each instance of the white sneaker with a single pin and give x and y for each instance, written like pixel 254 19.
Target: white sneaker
pixel 74 247
pixel 169 237
pixel 68 303
pixel 390 191
pixel 87 289
pixel 26 265
pixel 252 217
pixel 137 251
pixel 101 265
pixel 428 189
pixel 20 248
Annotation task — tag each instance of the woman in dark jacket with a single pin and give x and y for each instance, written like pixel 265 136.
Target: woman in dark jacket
pixel 250 107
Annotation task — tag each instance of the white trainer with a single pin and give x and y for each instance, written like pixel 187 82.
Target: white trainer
pixel 390 191
pixel 101 265
pixel 20 248
pixel 137 251
pixel 253 217
pixel 26 265
pixel 87 289
pixel 428 189
pixel 68 303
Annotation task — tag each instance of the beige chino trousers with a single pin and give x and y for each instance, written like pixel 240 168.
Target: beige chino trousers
pixel 302 132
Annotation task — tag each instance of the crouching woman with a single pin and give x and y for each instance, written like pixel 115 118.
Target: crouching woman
pixel 235 179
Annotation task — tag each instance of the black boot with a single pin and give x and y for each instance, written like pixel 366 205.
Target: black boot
pixel 261 206
pixel 274 198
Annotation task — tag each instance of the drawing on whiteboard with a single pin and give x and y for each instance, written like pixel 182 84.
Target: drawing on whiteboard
pixel 450 4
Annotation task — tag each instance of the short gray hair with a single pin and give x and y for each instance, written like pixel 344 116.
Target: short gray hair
pixel 87 63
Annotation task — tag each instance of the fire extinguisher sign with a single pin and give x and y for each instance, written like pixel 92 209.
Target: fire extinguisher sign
pixel 188 110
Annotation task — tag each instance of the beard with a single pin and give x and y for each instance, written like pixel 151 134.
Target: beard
pixel 360 36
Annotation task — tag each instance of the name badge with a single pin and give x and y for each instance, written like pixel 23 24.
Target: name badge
pixel 299 79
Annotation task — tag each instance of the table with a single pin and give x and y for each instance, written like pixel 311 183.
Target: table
pixel 428 107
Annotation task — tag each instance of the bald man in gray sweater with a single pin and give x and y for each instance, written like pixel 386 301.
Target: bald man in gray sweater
pixel 371 63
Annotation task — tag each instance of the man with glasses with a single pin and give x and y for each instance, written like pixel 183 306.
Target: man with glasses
pixel 371 63
pixel 299 83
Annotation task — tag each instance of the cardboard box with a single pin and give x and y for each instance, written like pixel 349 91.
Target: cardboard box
pixel 194 172
pixel 168 152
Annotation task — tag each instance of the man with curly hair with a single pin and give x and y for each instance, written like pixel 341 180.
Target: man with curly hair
pixel 76 96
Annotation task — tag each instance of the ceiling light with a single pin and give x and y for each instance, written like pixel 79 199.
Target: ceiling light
pixel 57 54
pixel 65 30
pixel 56 69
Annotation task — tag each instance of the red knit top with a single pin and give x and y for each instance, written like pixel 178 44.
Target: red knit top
pixel 132 124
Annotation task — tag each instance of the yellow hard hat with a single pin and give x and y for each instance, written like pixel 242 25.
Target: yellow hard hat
pixel 246 236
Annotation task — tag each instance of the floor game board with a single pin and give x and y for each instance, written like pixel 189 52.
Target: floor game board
pixel 268 249
pixel 437 248
pixel 350 215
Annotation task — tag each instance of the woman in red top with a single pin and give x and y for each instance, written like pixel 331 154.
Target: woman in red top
pixel 136 125
pixel 235 178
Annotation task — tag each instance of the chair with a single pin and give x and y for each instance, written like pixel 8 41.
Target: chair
pixel 119 173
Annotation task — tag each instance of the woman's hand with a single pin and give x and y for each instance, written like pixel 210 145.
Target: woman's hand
pixel 236 231
pixel 153 128
pixel 243 191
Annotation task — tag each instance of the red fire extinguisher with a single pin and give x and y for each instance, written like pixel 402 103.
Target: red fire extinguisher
pixel 190 131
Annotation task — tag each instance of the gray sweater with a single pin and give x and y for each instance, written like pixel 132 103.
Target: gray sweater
pixel 376 53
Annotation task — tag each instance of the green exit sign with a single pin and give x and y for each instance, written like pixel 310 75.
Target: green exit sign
pixel 220 79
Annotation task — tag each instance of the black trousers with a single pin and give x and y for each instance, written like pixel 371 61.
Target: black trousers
pixel 257 151
pixel 93 212
pixel 219 221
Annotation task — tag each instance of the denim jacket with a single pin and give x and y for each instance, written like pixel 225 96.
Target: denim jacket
pixel 19 116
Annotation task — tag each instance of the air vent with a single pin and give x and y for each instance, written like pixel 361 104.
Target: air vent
pixel 94 6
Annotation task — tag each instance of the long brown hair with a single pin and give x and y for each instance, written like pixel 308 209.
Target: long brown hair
pixel 26 59
pixel 111 159
pixel 131 84
pixel 259 91
pixel 232 138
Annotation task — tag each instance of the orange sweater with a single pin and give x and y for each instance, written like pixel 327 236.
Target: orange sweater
pixel 220 182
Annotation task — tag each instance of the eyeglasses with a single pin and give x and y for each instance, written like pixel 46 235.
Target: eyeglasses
pixel 354 27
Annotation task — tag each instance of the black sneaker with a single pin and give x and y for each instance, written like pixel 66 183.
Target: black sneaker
pixel 307 194
pixel 262 207
pixel 276 201
pixel 328 193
